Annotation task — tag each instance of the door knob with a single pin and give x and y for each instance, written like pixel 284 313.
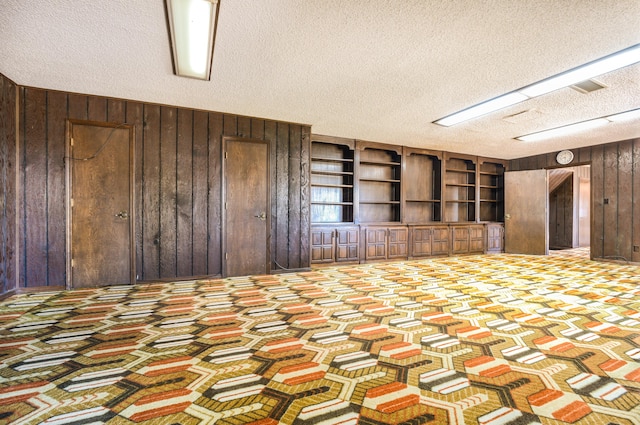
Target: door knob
pixel 123 215
pixel 262 216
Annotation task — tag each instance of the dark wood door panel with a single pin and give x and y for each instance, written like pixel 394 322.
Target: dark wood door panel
pixel 398 242
pixel 376 244
pixel 347 244
pixel 322 245
pixel 421 242
pixel 101 225
pixel 246 191
pixel 440 242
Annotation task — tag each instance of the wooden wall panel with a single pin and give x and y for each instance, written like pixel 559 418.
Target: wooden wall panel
pixel 305 196
pixel 200 193
pixel 610 201
pixel 615 179
pixel 56 191
pixel 216 125
pixel 168 121
pixel 294 196
pixel 8 133
pixel 177 185
pixel 134 115
pixel 34 158
pixel 597 201
pixel 270 133
pixel 282 196
pixel 635 213
pixel 184 194
pixel 150 210
pixel 97 108
pixel 4 141
pixel 624 203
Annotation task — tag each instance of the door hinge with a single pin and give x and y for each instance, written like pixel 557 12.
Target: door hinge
pixel 72 263
pixel 72 141
pixel 71 202
pixel 226 255
pixel 225 205
pixel 226 154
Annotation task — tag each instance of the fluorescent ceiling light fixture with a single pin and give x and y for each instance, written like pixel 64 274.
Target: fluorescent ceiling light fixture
pixel 563 131
pixel 192 29
pixel 585 72
pixel 625 116
pixel 580 126
pixel 483 108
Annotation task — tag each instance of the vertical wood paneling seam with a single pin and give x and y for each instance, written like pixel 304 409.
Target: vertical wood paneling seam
pixel 617 199
pixel 140 213
pixel 142 191
pixel 604 169
pixel 159 190
pixel 208 212
pixel 46 185
pixel 23 178
pixel 175 197
pixel 633 179
pixel 193 212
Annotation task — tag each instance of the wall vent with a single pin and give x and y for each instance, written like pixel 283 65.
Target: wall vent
pixel 588 86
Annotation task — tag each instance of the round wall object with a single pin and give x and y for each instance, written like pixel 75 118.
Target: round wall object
pixel 564 157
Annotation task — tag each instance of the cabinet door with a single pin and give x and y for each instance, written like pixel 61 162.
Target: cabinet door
pixel 398 242
pixel 421 241
pixel 460 236
pixel 347 242
pixel 476 238
pixel 375 243
pixel 321 245
pixel 495 237
pixel 440 240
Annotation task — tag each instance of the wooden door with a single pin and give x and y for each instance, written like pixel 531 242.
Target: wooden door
pixel 495 237
pixel 476 238
pixel 100 205
pixel 525 218
pixel 398 242
pixel 322 245
pixel 375 243
pixel 440 240
pixel 460 238
pixel 347 243
pixel 246 207
pixel 421 241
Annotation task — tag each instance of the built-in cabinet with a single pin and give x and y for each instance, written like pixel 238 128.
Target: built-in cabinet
pixel 429 241
pixel 335 244
pixel 495 237
pixel 386 243
pixel 460 188
pixel 375 202
pixel 467 239
pixel 379 169
pixel 422 174
pixel 332 181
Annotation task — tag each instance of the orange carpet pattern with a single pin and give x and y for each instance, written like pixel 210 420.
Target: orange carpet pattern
pixel 492 340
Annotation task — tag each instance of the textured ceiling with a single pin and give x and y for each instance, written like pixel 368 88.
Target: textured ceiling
pixel 379 70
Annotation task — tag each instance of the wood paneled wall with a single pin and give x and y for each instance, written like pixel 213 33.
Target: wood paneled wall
pixel 7 184
pixel 615 190
pixel 178 184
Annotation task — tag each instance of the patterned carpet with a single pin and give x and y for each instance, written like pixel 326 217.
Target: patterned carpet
pixel 500 339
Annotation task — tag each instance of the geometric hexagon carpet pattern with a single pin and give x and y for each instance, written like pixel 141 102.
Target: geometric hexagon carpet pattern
pixel 490 339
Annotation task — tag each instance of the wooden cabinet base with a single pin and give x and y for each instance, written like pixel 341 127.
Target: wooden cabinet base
pixel 372 243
